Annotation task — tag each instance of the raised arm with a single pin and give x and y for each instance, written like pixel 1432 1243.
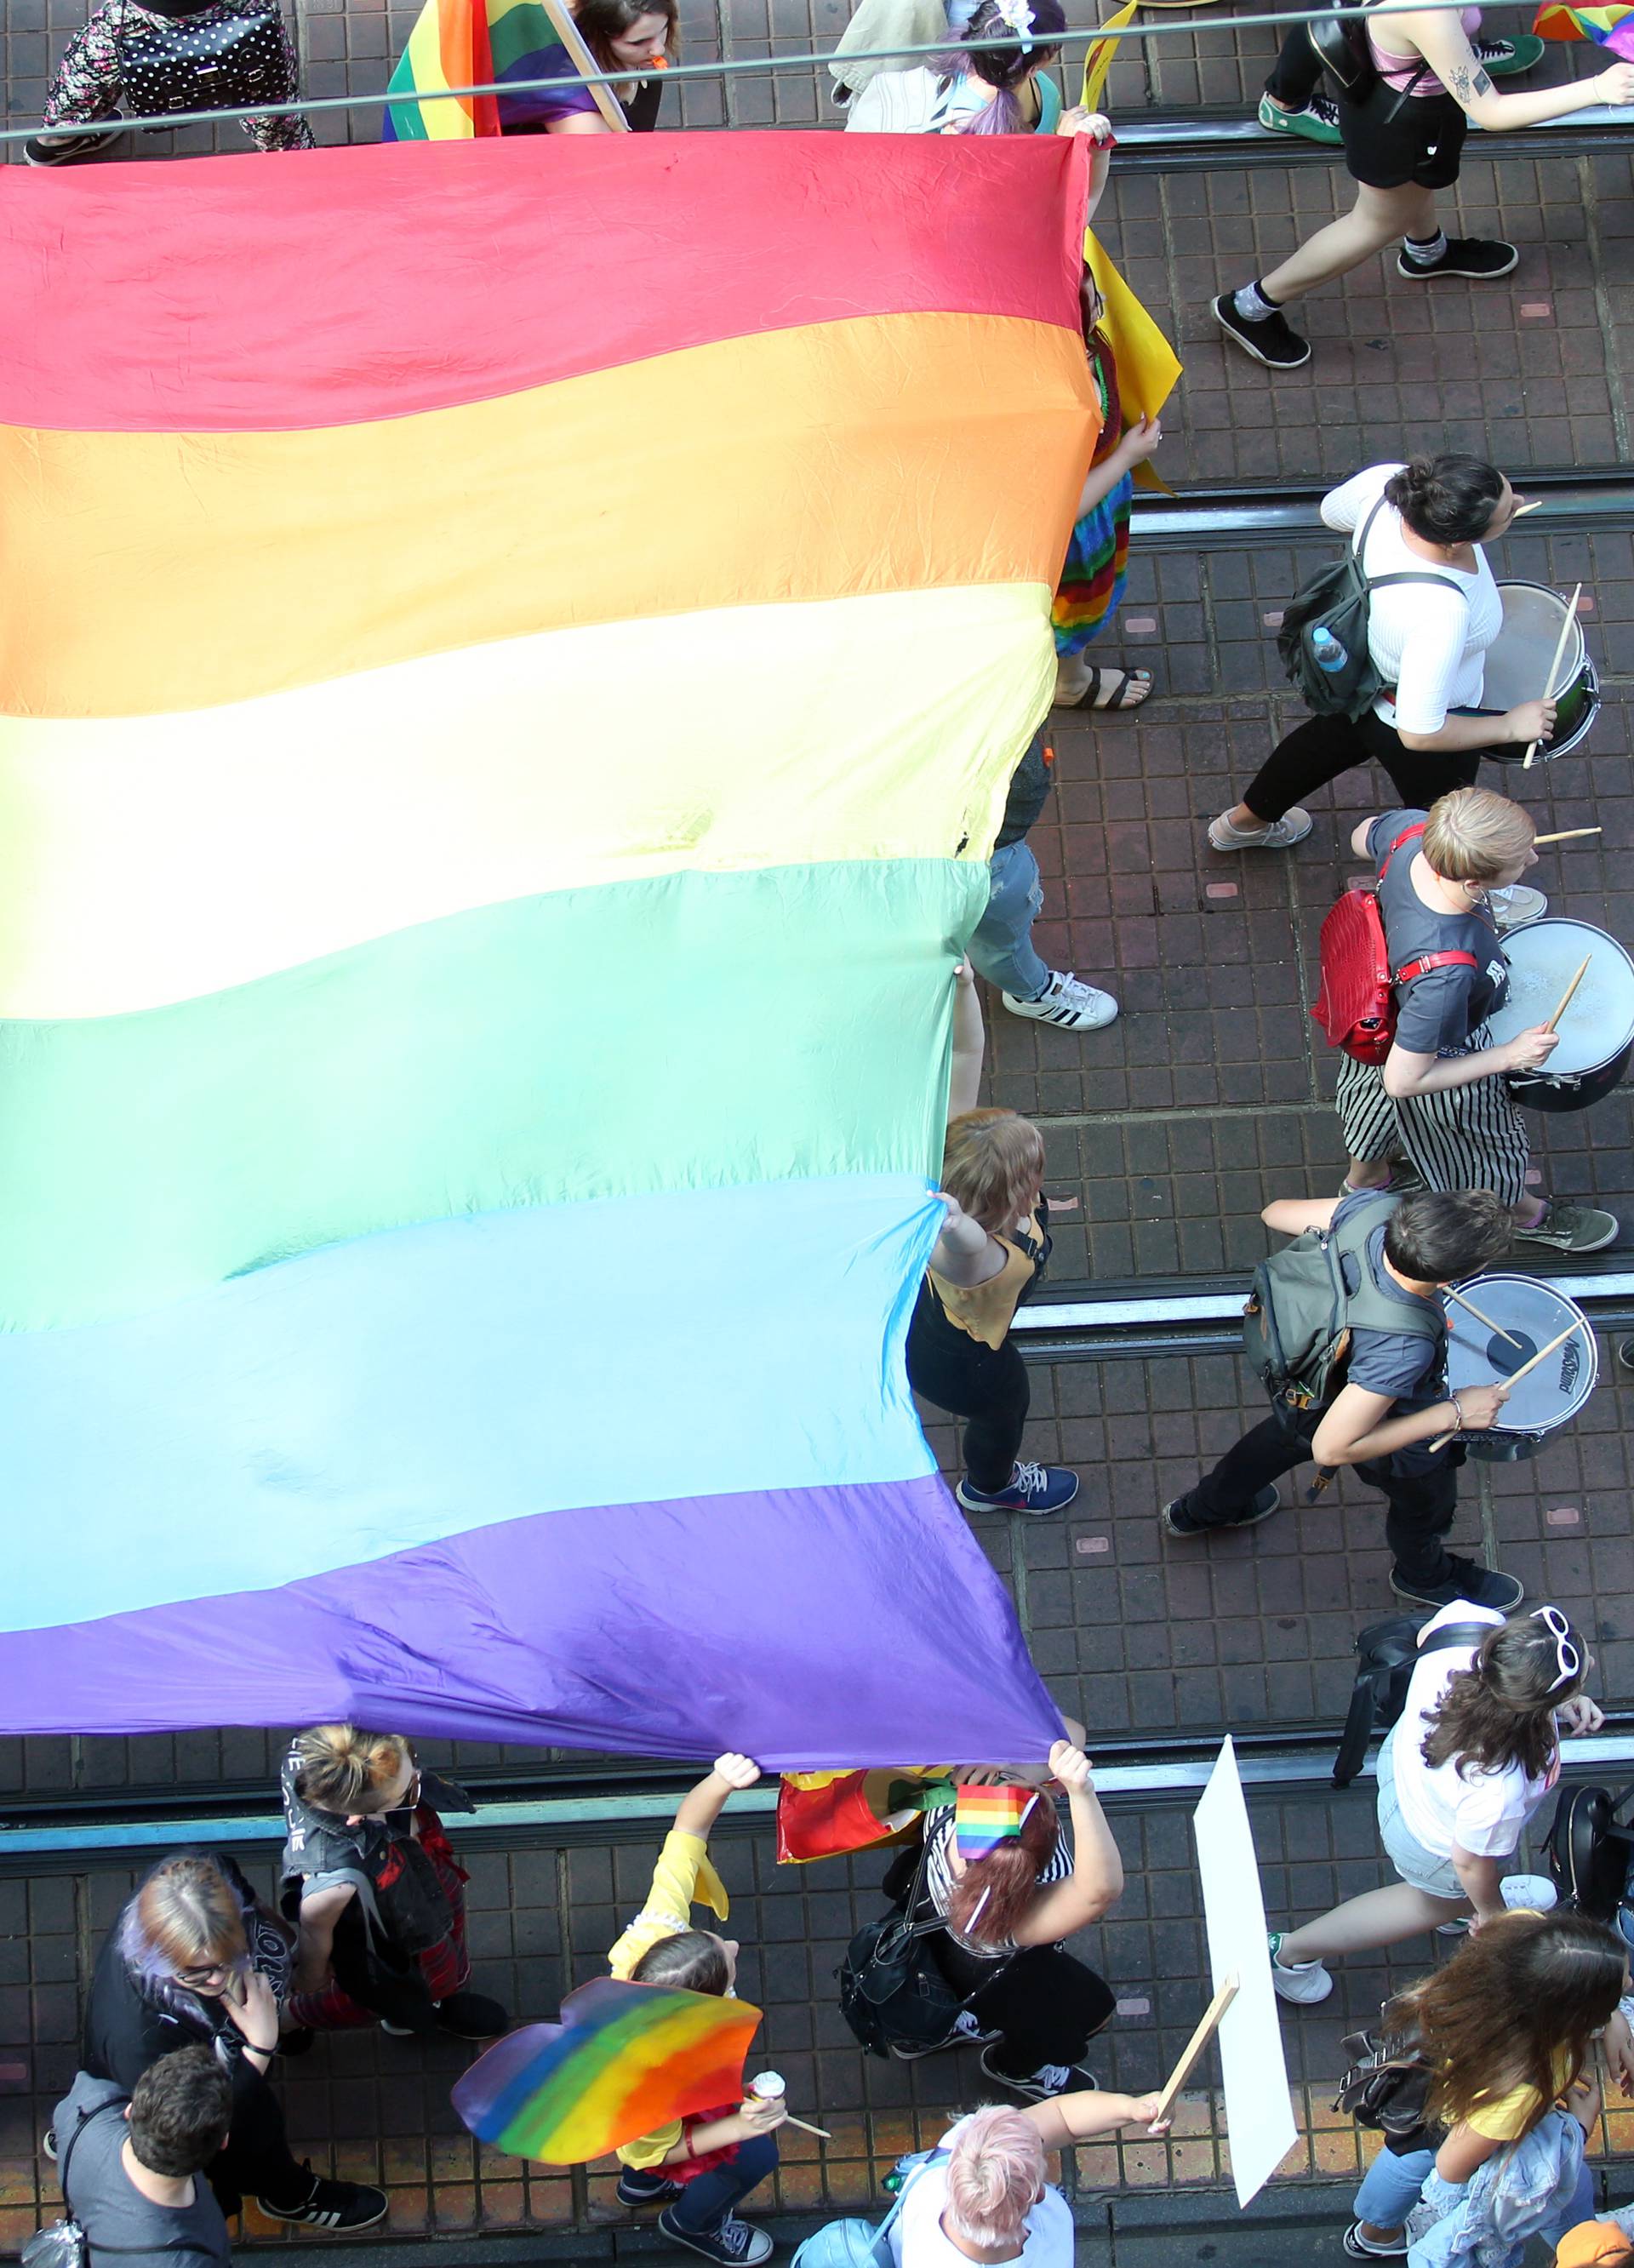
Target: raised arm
pixel 1096 1882
pixel 703 1805
pixel 964 1085
pixel 1443 42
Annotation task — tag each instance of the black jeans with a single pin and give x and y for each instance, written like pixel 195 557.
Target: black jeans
pixel 1322 748
pixel 1295 74
pixel 257 2160
pixel 1422 1504
pixel 987 1386
pixel 1045 2006
pixel 704 2204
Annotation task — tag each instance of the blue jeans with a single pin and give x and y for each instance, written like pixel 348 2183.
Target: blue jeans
pixel 1390 2188
pixel 704 2204
pixel 1001 951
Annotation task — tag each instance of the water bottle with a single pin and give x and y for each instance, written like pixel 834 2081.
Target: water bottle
pixel 1326 650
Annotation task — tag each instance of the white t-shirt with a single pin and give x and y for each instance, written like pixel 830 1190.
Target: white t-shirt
pixel 1429 643
pixel 1483 1812
pixel 918 2240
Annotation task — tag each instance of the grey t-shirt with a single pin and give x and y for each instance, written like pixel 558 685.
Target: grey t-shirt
pixel 107 2203
pixel 1435 1013
pixel 1396 1363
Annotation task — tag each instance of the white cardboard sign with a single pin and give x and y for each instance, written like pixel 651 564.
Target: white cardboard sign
pixel 1259 2110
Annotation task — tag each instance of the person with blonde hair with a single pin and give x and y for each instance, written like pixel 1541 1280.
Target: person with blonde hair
pixel 991 1251
pixel 1439 1097
pixel 989 2200
pixel 196 1958
pixel 371 1879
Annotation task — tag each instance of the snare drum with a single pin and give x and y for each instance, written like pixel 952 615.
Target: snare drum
pixel 1547 1398
pixel 1597 1030
pixel 1517 660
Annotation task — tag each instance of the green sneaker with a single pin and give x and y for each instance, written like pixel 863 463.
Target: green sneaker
pixel 1572 1228
pixel 1318 121
pixel 1504 58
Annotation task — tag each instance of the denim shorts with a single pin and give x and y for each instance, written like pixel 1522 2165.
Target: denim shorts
pixel 1419 1868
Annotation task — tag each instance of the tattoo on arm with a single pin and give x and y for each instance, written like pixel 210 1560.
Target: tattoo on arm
pixel 1461 84
pixel 1482 82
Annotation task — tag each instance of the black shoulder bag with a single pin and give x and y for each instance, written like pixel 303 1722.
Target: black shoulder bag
pixel 1387 2088
pixel 892 1992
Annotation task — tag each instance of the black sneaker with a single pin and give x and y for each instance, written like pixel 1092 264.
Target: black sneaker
pixel 472 2017
pixel 72 150
pixel 1479 256
pixel 1465 1579
pixel 340 2206
pixel 1272 341
pixel 734 2243
pixel 1043 2085
pixel 636 2187
pixel 1176 1520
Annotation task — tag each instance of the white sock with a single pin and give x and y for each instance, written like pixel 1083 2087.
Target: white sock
pixel 1252 304
pixel 1425 251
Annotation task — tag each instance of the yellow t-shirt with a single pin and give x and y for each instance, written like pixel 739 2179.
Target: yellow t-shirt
pixel 682 1877
pixel 1502 2118
pixel 985 1312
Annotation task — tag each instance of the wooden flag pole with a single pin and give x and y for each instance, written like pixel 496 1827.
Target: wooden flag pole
pixel 1207 2026
pixel 1549 688
pixel 1479 1317
pixel 573 40
pixel 805 2127
pixel 1515 1376
pixel 1565 998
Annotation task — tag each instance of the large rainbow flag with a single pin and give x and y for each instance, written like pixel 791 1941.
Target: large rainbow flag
pixel 1611 27
pixel 511 656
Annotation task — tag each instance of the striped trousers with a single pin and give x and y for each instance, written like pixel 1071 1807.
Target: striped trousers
pixel 1465 1137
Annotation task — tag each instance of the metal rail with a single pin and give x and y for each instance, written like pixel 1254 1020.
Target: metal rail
pixel 1212 141
pixel 1572 498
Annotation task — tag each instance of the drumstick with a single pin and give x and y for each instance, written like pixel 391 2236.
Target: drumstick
pixel 1566 834
pixel 805 2126
pixel 1515 1376
pixel 1549 689
pixel 1479 1317
pixel 1565 998
pixel 1521 510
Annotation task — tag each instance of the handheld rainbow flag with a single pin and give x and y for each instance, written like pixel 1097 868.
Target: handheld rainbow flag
pixel 624 2059
pixel 984 1817
pixel 476 960
pixel 1610 28
pixel 482 43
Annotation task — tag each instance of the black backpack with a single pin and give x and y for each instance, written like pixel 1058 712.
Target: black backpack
pixel 1341 46
pixel 1589 1850
pixel 1338 600
pixel 1386 1654
pixel 892 1989
pixel 1387 2089
pixel 1297 1325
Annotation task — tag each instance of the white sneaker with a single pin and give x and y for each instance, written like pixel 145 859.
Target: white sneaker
pixel 1282 833
pixel 1516 904
pixel 1301 1980
pixel 1075 1007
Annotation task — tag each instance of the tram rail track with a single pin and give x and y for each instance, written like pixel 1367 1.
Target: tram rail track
pixel 1209 140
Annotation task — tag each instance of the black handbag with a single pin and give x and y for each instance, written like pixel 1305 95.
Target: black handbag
pixel 170 65
pixel 1387 2088
pixel 892 1989
pixel 1591 1851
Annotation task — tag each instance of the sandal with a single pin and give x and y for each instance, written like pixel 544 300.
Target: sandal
pixel 1124 694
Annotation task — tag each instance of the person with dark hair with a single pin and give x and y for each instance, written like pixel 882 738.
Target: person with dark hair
pixel 1033 2007
pixel 371 1881
pixel 701 2168
pixel 986 90
pixel 1472 1755
pixel 1387 1397
pixel 1402 141
pixel 195 1957
pixel 1427 637
pixel 994 1244
pixel 1440 1097
pixel 129 2162
pixel 1507 2028
pixel 1295 101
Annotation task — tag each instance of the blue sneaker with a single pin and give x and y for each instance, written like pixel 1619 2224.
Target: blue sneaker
pixel 1032 1488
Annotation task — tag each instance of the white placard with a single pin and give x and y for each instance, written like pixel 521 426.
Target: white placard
pixel 1259 2110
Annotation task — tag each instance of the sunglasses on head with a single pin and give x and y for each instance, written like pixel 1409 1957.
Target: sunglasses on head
pixel 1568 1648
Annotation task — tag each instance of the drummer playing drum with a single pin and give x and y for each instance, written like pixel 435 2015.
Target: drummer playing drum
pixel 1428 638
pixel 1439 1098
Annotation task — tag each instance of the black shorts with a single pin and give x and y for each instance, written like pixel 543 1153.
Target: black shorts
pixel 1392 139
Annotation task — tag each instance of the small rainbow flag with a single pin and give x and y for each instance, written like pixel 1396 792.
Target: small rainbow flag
pixel 624 2059
pixel 984 1817
pixel 1610 28
pixel 479 43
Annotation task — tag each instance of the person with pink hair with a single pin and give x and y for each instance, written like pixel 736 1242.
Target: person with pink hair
pixel 989 2201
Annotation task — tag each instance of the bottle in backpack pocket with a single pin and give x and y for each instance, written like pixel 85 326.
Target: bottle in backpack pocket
pixel 1328 655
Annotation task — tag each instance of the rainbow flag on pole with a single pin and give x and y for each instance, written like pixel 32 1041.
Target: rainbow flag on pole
pixel 503 715
pixel 1611 27
pixel 477 43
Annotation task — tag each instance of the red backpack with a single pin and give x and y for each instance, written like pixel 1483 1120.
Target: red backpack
pixel 1355 1004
